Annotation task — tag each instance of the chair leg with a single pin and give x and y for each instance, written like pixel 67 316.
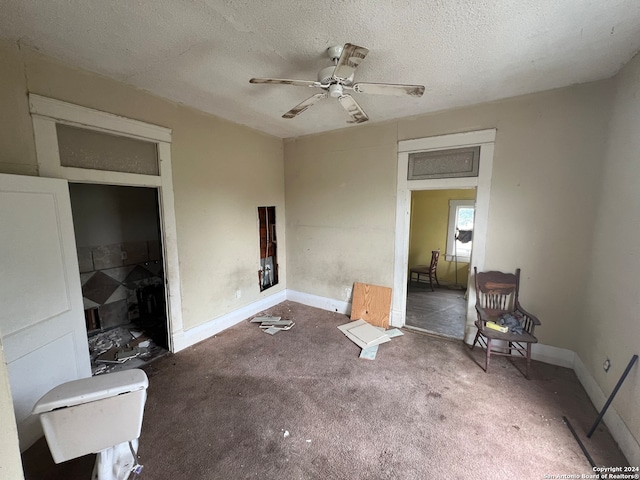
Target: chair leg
pixel 486 363
pixel 431 281
pixel 435 274
pixel 528 359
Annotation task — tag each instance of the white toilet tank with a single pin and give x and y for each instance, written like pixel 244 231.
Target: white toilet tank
pixel 91 414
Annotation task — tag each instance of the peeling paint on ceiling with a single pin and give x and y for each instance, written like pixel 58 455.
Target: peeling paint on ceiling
pixel 202 53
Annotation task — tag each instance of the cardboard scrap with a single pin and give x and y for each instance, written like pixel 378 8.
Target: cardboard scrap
pixel 272 325
pixel 286 325
pixel 127 353
pixel 369 353
pixel 109 356
pixel 265 319
pixel 367 333
pixel 394 332
pixel 346 329
pixel 367 336
pixel 279 323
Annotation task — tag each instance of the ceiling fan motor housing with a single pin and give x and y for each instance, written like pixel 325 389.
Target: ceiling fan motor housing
pixel 325 76
pixel 335 90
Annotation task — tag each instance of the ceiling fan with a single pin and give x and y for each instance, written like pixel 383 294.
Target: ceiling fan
pixel 337 79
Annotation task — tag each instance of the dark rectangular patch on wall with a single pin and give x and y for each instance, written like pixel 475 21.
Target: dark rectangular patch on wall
pixel 268 273
pixel 452 163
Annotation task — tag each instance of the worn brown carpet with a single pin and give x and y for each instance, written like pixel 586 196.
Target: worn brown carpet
pixel 302 405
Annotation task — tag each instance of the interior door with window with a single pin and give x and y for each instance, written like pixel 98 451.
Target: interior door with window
pixel 42 319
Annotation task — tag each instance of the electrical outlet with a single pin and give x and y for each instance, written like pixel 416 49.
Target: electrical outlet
pixel 347 294
pixel 123 255
pixel 606 365
pixel 238 293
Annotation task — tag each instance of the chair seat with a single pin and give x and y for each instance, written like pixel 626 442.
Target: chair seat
pixel 508 337
pixel 428 270
pixel 420 269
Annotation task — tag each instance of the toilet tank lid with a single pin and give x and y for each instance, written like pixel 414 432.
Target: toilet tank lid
pixel 91 389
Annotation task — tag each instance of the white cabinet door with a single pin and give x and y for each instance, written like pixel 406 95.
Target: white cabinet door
pixel 41 313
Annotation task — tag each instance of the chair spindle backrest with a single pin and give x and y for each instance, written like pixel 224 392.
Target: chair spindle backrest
pixel 497 291
pixel 435 254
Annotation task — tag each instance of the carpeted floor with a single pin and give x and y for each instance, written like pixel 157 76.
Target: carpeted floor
pixel 302 405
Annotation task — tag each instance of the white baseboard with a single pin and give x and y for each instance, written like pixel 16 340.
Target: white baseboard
pixel 194 335
pixel 324 303
pixel 619 430
pixel 553 355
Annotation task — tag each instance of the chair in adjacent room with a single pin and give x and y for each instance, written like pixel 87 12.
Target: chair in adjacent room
pixel 497 303
pixel 428 270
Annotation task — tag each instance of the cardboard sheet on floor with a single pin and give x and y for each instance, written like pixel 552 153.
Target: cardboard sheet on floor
pixel 357 323
pixel 369 353
pixel 272 325
pixel 278 323
pixel 109 356
pixel 283 325
pixel 371 303
pixel 265 319
pixel 368 333
pixel 394 332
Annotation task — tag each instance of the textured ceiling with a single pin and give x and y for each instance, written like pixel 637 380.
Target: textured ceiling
pixel 203 52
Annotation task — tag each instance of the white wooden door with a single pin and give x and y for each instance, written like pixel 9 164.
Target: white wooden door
pixel 41 313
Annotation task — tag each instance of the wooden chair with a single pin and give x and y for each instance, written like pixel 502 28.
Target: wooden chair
pixel 429 270
pixel 497 294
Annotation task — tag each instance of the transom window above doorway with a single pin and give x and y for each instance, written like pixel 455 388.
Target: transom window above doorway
pixel 451 163
pixel 85 148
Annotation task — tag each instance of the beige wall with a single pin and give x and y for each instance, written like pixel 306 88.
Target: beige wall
pixel 17 149
pixel 221 173
pixel 429 227
pixel 340 193
pixel 610 321
pixel 340 190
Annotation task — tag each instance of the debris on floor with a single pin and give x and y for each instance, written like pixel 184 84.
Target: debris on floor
pixel 110 349
pixel 273 325
pixel 368 337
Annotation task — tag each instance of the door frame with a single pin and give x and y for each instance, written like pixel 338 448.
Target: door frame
pixel 47 112
pixel 482 183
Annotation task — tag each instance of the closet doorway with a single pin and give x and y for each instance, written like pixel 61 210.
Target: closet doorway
pixel 118 240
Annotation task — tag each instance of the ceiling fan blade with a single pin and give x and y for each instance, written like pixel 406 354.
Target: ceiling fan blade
pixel 349 60
pixel 389 89
pixel 301 107
pixel 353 109
pixel 286 81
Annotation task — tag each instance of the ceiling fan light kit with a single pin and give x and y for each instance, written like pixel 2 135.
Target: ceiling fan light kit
pixel 337 78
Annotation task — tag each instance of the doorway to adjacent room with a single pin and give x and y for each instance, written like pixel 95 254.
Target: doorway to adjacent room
pixel 437 219
pixel 471 154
